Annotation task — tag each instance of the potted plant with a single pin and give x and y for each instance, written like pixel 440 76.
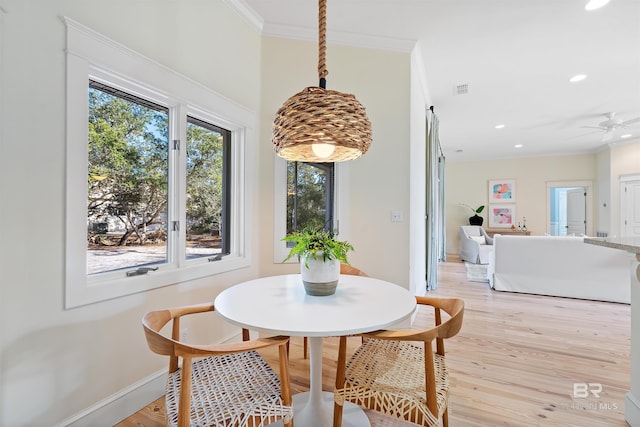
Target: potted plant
pixel 475 219
pixel 320 255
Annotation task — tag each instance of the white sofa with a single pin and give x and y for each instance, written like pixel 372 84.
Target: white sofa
pixel 559 266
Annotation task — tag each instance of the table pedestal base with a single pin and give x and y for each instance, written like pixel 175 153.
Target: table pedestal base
pixel 305 415
pixel 352 415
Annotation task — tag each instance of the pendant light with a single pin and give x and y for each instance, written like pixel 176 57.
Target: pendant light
pixel 320 125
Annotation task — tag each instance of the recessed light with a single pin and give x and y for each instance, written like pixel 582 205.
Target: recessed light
pixel 628 135
pixel 518 146
pixel 499 126
pixel 578 78
pixel 595 4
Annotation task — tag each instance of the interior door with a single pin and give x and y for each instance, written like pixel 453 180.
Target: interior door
pixel 631 209
pixel 576 212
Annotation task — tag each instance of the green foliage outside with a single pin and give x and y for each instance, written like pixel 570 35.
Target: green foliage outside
pixel 306 198
pixel 128 169
pixel 204 180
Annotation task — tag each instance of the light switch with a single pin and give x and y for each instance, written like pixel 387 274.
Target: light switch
pixel 396 216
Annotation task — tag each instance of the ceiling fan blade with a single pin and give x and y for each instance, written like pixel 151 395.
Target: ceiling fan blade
pixel 582 135
pixel 630 121
pixel 594 127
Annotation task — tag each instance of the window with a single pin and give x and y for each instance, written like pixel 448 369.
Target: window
pixel 208 193
pixel 155 174
pixel 305 196
pixel 128 169
pixel 310 198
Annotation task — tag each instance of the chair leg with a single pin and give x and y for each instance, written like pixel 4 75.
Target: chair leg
pixel 285 378
pixel 305 348
pixel 445 417
pixel 337 415
pixel 340 379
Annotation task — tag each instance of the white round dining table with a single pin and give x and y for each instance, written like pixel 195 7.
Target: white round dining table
pixel 279 305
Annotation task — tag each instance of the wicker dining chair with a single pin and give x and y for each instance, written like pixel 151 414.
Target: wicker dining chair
pixel 396 372
pixel 219 384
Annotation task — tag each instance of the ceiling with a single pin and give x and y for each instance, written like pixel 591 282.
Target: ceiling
pixel 515 56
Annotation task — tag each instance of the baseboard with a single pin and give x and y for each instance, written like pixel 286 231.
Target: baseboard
pixel 119 406
pixel 632 410
pixel 131 399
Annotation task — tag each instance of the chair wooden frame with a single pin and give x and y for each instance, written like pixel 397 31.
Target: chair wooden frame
pixel 154 321
pixel 433 364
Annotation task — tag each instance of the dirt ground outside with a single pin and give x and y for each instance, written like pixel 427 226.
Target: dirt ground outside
pixel 103 258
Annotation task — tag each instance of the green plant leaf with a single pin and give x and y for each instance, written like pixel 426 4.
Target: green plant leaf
pixel 476 210
pixel 317 243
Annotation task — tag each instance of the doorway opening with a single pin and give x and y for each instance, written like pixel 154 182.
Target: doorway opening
pixel 568 208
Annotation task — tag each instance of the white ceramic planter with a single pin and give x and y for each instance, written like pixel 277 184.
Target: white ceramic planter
pixel 321 278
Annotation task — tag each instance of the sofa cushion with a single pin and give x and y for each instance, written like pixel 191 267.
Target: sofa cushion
pixel 479 239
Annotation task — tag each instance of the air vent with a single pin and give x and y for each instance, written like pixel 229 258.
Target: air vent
pixel 462 89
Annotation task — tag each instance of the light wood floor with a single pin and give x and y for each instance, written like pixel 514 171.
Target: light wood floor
pixel 514 363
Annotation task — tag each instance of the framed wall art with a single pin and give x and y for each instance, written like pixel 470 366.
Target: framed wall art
pixel 502 191
pixel 502 216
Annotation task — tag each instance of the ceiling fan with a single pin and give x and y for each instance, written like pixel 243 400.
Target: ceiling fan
pixel 612 124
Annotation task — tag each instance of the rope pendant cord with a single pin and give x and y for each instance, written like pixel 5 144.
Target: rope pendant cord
pixel 322 43
pixel 318 125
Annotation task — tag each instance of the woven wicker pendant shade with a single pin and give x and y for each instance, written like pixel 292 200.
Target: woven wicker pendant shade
pixel 320 125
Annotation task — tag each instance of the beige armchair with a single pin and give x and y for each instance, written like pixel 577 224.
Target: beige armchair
pixel 475 244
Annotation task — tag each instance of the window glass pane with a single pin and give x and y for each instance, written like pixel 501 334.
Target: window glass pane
pixel 309 196
pixel 207 196
pixel 127 179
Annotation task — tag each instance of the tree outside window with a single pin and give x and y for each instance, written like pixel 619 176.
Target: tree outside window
pixel 310 196
pixel 208 148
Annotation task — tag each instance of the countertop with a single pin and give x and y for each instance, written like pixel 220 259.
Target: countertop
pixel 629 244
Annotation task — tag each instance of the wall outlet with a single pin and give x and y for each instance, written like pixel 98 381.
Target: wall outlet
pixel 396 216
pixel 184 334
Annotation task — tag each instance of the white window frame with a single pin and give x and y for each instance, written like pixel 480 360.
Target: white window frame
pixel 93 56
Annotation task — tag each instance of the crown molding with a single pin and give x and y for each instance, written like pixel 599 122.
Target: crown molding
pixel 250 16
pixel 308 34
pixel 339 37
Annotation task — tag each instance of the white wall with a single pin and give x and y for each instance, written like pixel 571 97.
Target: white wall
pixel 467 182
pixel 371 186
pixel 602 201
pixel 55 363
pixel 418 178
